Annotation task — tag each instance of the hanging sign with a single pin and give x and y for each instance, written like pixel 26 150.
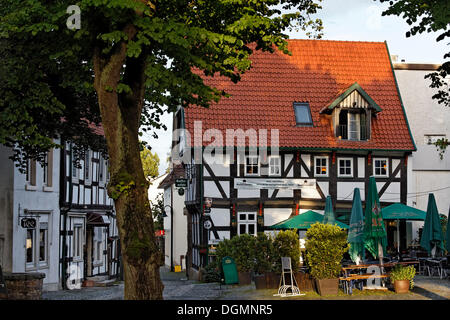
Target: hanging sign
pixel 207 224
pixel 181 183
pixel 289 184
pixel 28 223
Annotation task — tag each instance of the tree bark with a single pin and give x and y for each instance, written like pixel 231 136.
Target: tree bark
pixel 128 187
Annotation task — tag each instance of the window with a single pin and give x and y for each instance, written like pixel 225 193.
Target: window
pixel 252 166
pixel 321 166
pixel 43 243
pixel 380 167
pixel 77 242
pixel 31 173
pixel 29 248
pixel 87 166
pixel 48 169
pixel 274 165
pixel 98 246
pixel 302 114
pixel 352 125
pixel 247 223
pixel 345 167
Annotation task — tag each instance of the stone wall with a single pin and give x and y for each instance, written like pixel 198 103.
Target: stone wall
pixel 24 286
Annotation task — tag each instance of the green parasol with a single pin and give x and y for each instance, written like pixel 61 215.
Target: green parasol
pixel 447 234
pixel 400 211
pixel 375 237
pixel 303 221
pixel 432 231
pixel 356 231
pixel 328 216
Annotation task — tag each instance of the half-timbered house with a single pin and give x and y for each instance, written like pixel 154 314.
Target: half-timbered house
pixel 296 128
pixel 89 242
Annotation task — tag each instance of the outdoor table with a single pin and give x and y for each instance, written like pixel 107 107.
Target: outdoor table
pixel 435 264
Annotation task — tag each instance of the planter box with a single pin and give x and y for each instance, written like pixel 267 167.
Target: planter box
pixel 401 286
pixel 24 286
pixel 245 278
pixel 260 282
pixel 327 286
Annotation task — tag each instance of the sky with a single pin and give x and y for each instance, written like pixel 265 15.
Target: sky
pixel 354 20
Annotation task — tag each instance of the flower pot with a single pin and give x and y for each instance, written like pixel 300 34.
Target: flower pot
pixel 304 281
pixel 327 286
pixel 260 282
pixel 272 280
pixel 401 286
pixel 245 277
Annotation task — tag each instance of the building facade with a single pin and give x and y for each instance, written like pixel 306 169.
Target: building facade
pixel 34 196
pixel 295 129
pixel 427 172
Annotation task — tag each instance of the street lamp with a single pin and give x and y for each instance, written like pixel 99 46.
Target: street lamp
pixel 171 234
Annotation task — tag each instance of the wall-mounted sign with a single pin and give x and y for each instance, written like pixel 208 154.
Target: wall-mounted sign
pixel 289 184
pixel 181 183
pixel 208 202
pixel 180 191
pixel 28 223
pixel 207 224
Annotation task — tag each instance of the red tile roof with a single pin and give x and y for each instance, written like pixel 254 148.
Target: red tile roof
pixel 317 72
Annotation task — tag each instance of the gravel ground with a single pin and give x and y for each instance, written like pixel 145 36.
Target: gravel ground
pixel 176 287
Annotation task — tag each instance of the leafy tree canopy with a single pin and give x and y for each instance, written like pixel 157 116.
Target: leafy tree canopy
pixel 150 163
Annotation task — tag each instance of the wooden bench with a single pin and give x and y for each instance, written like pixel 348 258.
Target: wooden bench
pixel 349 280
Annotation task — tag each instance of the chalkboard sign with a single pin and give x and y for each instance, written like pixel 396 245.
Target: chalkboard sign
pixel 3 290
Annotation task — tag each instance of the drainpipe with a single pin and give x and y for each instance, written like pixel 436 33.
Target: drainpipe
pixel 171 228
pixel 65 212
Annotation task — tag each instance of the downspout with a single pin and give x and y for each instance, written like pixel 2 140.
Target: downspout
pixel 171 228
pixel 65 212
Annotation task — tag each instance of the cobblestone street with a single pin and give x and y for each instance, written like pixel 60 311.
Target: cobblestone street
pixel 176 287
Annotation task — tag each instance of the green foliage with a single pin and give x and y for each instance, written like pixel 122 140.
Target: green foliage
pixel 286 244
pixel 157 208
pixel 47 71
pixel 212 272
pixel 264 253
pixel 325 247
pixel 241 248
pixel 150 163
pixel 400 272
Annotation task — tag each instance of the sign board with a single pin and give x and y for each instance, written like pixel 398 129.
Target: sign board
pixel 207 210
pixel 207 224
pixel 180 191
pixel 3 290
pixel 28 223
pixel 181 183
pixel 286 184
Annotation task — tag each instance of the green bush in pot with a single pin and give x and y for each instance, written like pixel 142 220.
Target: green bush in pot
pixel 325 248
pixel 286 244
pixel 403 274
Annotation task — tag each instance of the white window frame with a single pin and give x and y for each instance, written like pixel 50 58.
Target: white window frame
pixel 42 222
pixel 247 222
pixel 43 226
pixel 31 175
pixel 278 165
pixel 47 178
pixel 374 167
pixel 246 165
pixel 98 247
pixel 32 264
pixel 344 175
pixel 315 166
pixel 358 126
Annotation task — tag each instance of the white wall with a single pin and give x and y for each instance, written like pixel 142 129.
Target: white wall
pixel 426 171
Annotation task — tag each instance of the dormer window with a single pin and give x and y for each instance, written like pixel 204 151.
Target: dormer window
pixel 351 114
pixel 302 114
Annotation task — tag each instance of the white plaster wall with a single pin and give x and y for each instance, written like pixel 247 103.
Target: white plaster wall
pixel 345 190
pixel 212 191
pixel 275 215
pixel 42 201
pixel 220 217
pixel 287 159
pixel 219 164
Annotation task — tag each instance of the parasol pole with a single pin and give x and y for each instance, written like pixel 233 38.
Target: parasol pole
pixel 398 237
pixel 380 255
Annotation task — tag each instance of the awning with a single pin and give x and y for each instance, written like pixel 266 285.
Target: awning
pixel 303 221
pixel 399 211
pixel 97 219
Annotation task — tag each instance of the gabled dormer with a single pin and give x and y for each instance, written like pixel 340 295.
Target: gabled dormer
pixel 351 113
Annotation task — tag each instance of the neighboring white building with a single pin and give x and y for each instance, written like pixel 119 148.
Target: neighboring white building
pixel 34 195
pixel 175 224
pixel 428 121
pixel 154 191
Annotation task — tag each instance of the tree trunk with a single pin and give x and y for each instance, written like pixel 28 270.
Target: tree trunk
pixel 128 186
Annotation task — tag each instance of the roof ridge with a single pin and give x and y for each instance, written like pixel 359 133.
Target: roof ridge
pixel 329 40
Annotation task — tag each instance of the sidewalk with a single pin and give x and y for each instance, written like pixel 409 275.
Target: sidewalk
pixel 177 287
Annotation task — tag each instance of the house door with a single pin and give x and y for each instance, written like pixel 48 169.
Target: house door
pixel 89 249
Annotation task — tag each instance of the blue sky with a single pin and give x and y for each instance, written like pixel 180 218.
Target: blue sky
pixel 355 20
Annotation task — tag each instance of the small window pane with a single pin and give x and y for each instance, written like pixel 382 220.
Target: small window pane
pixel 29 245
pixel 251 217
pixel 251 229
pixel 242 228
pixel 242 216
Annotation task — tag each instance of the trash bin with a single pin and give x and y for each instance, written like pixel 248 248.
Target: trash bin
pixel 230 270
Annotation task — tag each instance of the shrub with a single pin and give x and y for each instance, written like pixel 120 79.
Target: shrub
pixel 212 272
pixel 264 253
pixel 241 249
pixel 403 273
pixel 325 247
pixel 286 244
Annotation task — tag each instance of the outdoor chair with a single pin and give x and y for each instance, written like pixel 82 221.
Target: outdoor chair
pixel 287 290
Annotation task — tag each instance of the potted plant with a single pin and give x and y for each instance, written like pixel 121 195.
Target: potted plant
pixel 263 259
pixel 403 278
pixel 243 252
pixel 286 244
pixel 325 247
